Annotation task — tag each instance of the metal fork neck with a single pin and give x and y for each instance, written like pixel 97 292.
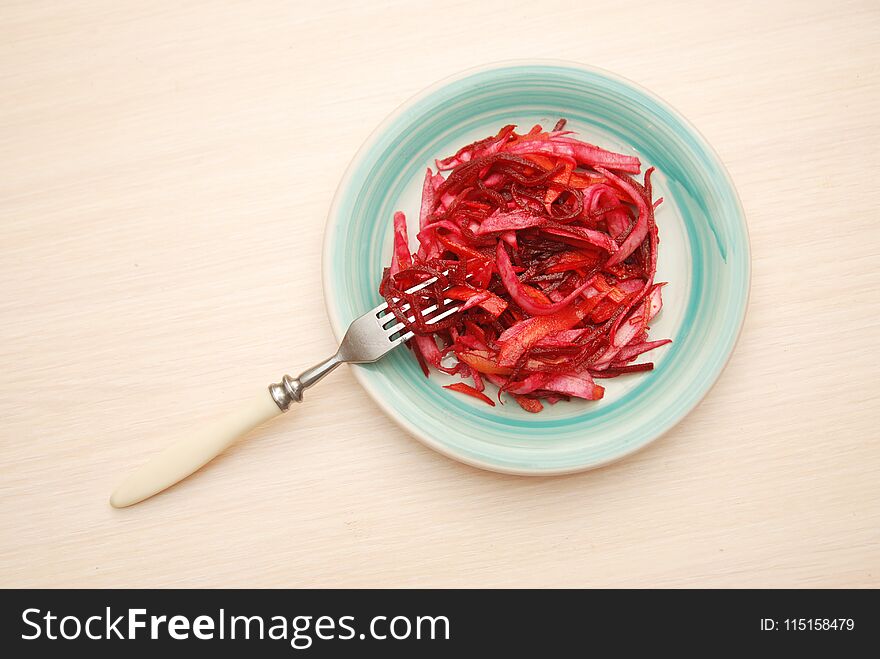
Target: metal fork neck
pixel 290 390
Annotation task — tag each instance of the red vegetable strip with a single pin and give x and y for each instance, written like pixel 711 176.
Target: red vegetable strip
pixel 530 383
pixel 630 352
pixel 580 386
pixel 513 220
pixel 640 230
pixel 430 353
pixel 584 154
pixel 401 258
pixel 427 205
pixel 529 404
pixel 562 337
pixel 463 388
pixel 459 248
pixel 479 385
pixel 571 260
pixel 656 301
pixel 621 370
pixel 473 297
pixel 523 335
pixel 590 236
pixel 481 362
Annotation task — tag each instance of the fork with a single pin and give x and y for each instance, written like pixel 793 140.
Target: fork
pixel 369 338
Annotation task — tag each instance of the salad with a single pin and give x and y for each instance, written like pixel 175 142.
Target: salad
pixel 549 246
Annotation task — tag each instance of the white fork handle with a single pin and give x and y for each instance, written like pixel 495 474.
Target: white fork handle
pixel 193 451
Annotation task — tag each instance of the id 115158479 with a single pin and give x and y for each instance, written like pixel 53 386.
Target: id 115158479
pixel 808 624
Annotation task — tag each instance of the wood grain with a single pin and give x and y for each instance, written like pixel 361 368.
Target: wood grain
pixel 165 172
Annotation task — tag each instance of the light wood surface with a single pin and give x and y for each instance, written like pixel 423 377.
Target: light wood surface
pixel 165 172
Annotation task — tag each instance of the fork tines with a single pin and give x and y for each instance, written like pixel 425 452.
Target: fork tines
pixel 432 315
pixel 392 325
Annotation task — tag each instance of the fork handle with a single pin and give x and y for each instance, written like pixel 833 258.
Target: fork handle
pixel 193 450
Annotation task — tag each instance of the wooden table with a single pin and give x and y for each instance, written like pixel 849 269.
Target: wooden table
pixel 165 173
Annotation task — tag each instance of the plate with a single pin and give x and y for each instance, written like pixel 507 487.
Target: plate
pixel 703 254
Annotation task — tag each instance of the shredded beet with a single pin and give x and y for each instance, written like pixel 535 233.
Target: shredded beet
pixel 550 245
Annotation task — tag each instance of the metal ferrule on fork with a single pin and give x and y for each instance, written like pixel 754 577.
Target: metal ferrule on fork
pixel 290 390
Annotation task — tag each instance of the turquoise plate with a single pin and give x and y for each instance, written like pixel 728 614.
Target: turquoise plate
pixel 704 255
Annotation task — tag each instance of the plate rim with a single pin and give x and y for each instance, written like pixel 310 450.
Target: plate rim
pixel 361 375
